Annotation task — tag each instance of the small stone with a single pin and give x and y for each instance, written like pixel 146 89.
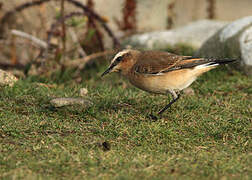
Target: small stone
pixel 7 78
pixel 59 102
pixel 83 92
pixel 189 91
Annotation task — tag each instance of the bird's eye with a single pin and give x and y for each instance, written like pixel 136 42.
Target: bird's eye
pixel 119 59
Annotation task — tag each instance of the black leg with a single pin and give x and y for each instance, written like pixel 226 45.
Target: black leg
pixel 169 105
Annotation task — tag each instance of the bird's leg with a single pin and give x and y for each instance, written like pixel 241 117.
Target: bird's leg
pixel 175 98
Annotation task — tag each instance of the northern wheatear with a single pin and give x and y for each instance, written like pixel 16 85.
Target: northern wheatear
pixel 161 72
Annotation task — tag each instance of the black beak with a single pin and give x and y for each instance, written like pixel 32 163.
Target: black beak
pixel 107 71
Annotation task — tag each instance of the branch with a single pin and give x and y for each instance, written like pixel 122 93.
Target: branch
pixel 94 15
pixel 78 4
pixel 12 66
pixel 19 8
pixel 42 44
pixel 58 22
pixel 63 27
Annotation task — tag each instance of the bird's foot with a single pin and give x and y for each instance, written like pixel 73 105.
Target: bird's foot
pixel 152 117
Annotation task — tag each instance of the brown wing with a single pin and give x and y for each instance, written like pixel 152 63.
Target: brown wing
pixel 154 62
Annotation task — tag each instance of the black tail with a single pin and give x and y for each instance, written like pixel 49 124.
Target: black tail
pixel 224 61
pixel 220 61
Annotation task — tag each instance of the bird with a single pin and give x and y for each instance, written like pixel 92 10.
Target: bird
pixel 161 72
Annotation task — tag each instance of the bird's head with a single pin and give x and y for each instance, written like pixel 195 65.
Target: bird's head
pixel 122 62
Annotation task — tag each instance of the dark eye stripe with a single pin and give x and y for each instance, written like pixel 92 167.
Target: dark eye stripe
pixel 119 59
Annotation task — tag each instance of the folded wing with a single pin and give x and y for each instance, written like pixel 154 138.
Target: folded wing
pixel 155 62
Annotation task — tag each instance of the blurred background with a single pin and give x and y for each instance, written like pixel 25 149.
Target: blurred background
pixel 73 29
pixel 60 120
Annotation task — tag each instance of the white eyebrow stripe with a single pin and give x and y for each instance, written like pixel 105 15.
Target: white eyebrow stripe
pixel 121 53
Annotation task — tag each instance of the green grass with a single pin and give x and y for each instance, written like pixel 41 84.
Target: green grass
pixel 205 136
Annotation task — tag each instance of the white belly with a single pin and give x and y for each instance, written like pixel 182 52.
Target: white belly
pixel 162 83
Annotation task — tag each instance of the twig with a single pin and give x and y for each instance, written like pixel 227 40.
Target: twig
pixel 42 44
pixel 63 36
pixel 98 34
pixel 63 26
pixel 12 66
pixel 97 37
